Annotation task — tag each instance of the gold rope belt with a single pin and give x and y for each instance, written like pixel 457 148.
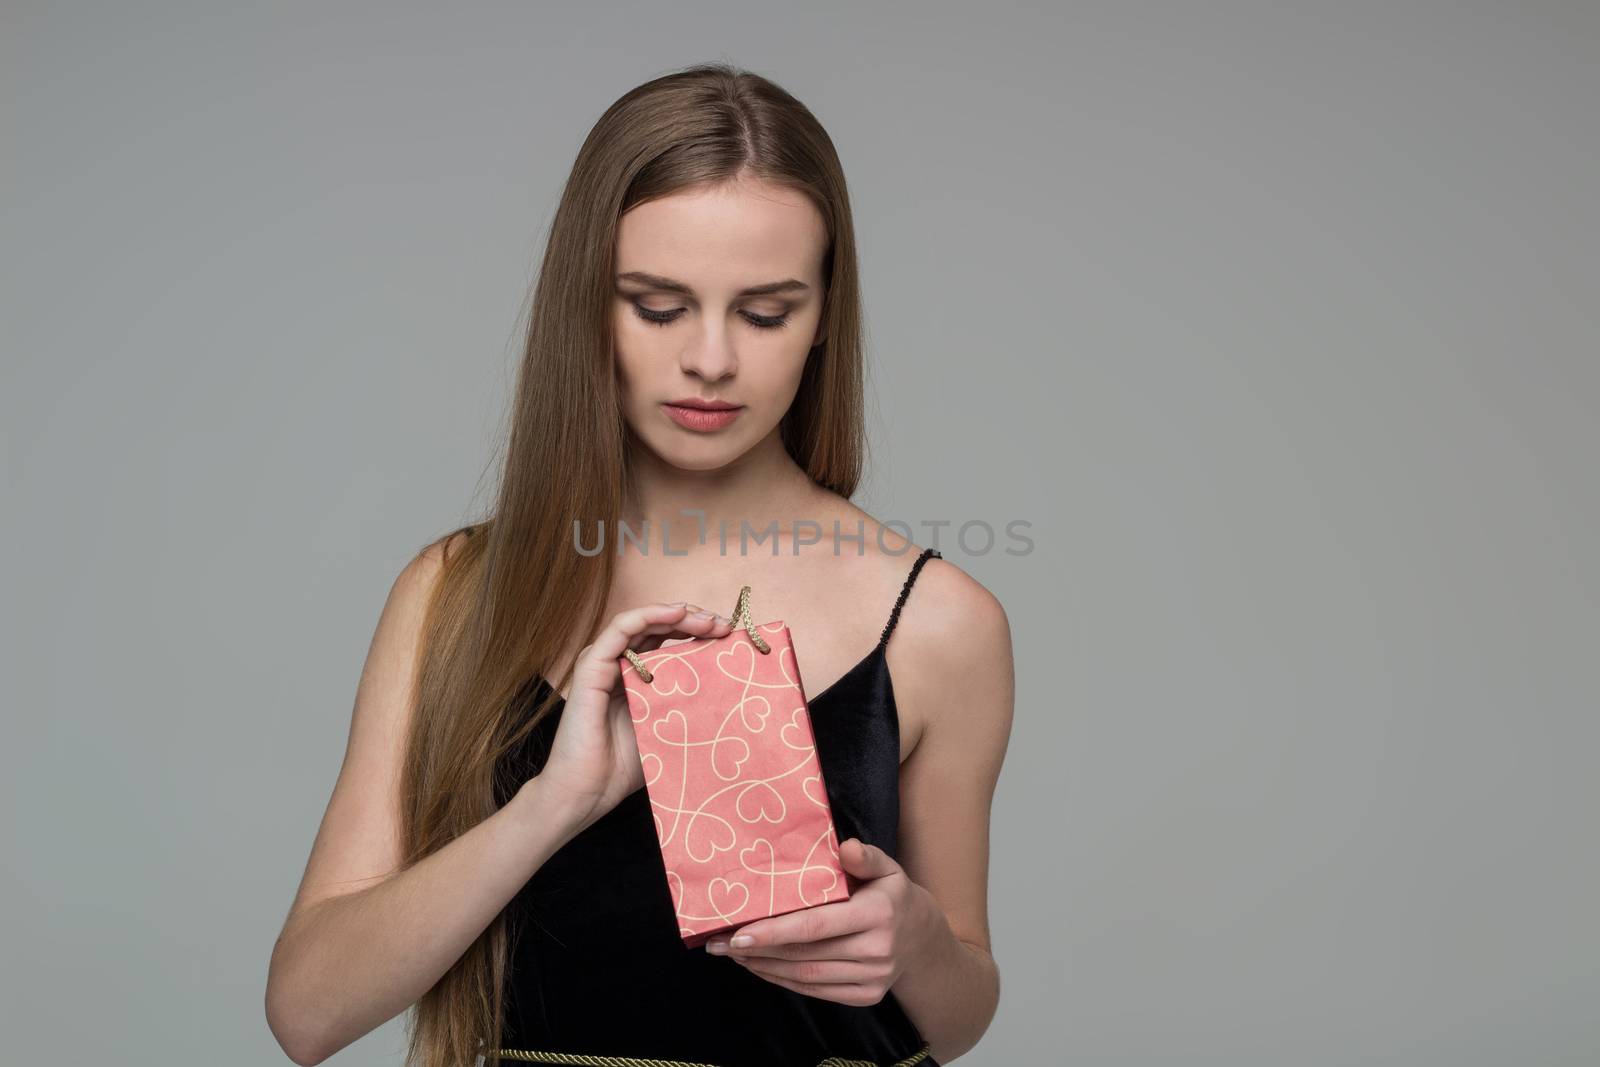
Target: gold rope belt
pixel 581 1060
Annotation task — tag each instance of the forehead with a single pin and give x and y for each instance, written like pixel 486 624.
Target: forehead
pixel 725 238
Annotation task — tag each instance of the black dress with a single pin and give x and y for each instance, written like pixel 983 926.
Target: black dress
pixel 598 967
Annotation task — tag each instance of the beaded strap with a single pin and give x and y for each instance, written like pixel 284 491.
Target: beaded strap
pixel 575 1059
pixel 905 591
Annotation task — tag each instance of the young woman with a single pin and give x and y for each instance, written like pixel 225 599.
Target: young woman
pixel 489 855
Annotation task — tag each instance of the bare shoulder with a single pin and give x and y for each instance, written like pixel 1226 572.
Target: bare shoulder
pixel 413 588
pixel 394 641
pixel 417 577
pixel 951 647
pixel 950 603
pixel 954 641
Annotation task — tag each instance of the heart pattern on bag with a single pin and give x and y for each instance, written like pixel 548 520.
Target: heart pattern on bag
pixel 737 793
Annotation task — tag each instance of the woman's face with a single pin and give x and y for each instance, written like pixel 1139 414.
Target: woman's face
pixel 719 298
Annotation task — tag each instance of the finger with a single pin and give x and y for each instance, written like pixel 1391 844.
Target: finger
pixel 691 627
pixel 866 862
pixel 654 636
pixel 852 946
pixel 697 622
pixel 814 972
pixel 689 621
pixel 597 666
pixel 816 923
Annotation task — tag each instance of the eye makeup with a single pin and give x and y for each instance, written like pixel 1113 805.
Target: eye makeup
pixel 663 318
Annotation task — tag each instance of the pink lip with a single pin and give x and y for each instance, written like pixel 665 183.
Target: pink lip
pixel 701 420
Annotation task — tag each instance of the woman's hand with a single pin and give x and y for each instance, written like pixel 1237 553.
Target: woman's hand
pixel 850 951
pixel 594 758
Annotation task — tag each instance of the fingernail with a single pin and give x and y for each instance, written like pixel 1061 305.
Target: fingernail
pixel 741 940
pixel 704 615
pixel 717 947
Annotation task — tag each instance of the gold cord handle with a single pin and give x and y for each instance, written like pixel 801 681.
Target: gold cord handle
pixel 741 617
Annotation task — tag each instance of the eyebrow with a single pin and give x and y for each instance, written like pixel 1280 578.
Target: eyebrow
pixel 673 286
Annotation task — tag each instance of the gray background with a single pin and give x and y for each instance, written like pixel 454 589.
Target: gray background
pixel 1277 323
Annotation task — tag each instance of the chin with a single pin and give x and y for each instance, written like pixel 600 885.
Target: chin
pixel 686 453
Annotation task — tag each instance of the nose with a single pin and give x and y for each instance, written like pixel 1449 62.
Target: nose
pixel 709 355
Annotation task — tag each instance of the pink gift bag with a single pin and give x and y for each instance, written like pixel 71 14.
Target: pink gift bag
pixel 730 765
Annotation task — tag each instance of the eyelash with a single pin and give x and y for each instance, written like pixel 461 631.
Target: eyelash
pixel 664 318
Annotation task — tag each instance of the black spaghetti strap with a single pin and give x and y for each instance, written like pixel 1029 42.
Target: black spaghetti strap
pixel 905 590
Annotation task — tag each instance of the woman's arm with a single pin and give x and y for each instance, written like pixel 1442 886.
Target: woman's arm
pixel 347 963
pixel 361 943
pixel 963 689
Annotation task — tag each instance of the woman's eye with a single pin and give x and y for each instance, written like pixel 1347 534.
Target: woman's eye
pixel 658 318
pixel 765 322
pixel 662 318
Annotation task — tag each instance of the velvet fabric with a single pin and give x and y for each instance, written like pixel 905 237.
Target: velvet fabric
pixel 598 965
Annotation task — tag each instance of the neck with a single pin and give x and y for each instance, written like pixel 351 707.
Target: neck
pixel 761 488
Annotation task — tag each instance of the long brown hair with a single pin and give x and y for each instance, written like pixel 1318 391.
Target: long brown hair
pixel 513 587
